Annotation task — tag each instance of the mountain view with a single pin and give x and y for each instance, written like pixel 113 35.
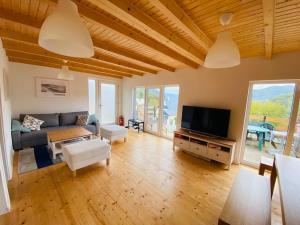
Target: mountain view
pixel 272 92
pixel 273 102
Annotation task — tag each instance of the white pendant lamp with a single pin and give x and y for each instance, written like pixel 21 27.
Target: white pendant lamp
pixel 64 33
pixel 224 53
pixel 65 73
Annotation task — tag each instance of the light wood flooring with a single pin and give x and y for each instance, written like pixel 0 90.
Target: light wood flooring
pixel 146 183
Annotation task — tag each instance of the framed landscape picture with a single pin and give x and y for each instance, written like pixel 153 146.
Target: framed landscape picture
pixel 46 87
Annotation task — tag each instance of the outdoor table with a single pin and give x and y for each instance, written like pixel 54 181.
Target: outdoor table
pixel 260 132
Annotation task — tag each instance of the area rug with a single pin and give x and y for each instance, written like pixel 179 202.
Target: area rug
pixel 35 158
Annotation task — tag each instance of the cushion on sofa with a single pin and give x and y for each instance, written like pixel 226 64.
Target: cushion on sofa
pixel 66 119
pixel 16 125
pixel 82 120
pixel 50 120
pixel 92 119
pixel 32 123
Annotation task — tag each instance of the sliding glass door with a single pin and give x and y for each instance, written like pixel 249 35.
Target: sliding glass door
pixel 170 107
pixel 157 107
pixel 272 121
pixel 139 103
pixel 153 110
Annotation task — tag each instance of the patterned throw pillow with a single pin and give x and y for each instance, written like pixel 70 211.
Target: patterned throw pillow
pixel 82 120
pixel 32 123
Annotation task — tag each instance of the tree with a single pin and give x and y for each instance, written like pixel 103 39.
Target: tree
pixel 269 109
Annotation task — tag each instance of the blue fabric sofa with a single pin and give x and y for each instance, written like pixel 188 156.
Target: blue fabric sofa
pixel 53 121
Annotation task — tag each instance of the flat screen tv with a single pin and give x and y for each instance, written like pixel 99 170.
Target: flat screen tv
pixel 209 121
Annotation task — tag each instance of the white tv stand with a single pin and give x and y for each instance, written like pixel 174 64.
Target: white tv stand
pixel 217 149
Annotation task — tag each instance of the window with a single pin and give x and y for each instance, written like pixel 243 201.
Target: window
pixel 170 100
pixel 157 106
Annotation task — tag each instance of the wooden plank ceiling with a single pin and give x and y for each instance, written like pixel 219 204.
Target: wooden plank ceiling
pixel 134 37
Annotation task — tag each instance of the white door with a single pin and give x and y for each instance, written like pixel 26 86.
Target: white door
pixel 103 100
pixel 108 103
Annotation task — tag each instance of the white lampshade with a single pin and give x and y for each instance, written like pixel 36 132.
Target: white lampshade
pixel 224 53
pixel 64 33
pixel 65 74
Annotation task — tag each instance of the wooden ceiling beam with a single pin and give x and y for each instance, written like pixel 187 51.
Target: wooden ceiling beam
pixel 35 50
pixel 178 16
pixel 27 21
pixel 112 24
pixel 17 54
pixel 19 18
pixel 97 58
pixel 124 52
pixel 139 20
pixel 58 66
pixel 269 10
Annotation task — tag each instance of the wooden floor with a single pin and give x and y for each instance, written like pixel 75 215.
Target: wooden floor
pixel 146 183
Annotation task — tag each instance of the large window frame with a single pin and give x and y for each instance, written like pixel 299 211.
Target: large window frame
pixel 292 121
pixel 161 104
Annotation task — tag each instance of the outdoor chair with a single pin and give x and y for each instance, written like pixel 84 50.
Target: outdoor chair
pixel 269 126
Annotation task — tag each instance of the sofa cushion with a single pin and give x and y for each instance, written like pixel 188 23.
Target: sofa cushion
pixel 82 120
pixel 17 126
pixel 50 120
pixel 32 123
pixel 66 119
pixel 92 119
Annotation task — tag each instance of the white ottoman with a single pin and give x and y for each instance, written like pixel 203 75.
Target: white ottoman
pixel 113 132
pixel 85 153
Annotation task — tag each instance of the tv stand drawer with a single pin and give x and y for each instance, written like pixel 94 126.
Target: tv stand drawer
pixel 218 155
pixel 183 144
pixel 198 149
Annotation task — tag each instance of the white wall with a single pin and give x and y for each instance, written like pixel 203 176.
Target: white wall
pixel 23 92
pixel 221 88
pixel 6 151
pixel 5 119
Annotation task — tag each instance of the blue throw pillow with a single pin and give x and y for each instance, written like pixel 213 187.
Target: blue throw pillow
pixel 17 126
pixel 92 119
